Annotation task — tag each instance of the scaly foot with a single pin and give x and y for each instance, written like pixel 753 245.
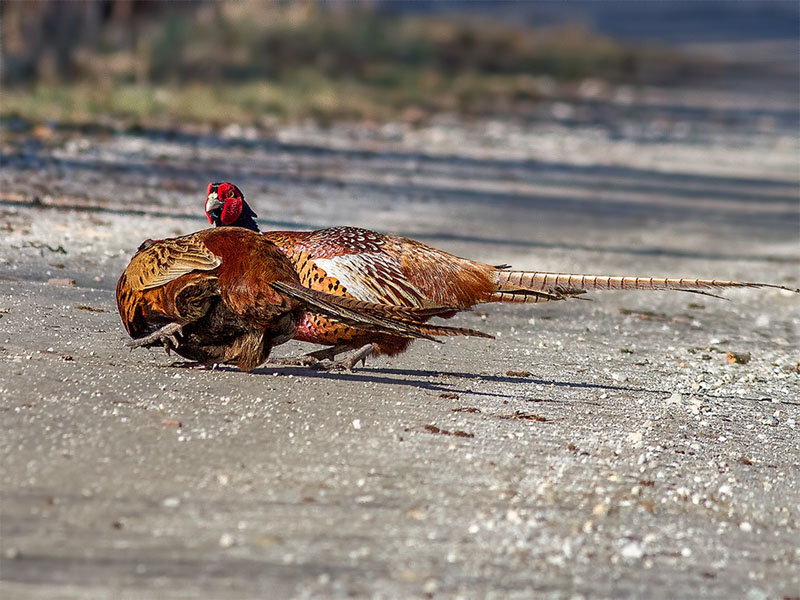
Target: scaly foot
pixel 348 362
pixel 168 335
pixel 312 358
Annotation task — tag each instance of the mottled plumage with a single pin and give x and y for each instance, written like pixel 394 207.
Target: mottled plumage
pixel 228 314
pixel 363 264
pixel 231 295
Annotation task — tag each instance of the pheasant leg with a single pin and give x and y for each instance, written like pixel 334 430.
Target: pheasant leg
pixel 312 358
pixel 168 335
pixel 351 360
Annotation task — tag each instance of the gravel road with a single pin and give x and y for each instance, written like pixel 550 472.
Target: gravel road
pixel 593 449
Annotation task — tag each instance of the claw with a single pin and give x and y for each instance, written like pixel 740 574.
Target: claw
pixel 347 363
pixel 312 358
pixel 323 359
pixel 165 335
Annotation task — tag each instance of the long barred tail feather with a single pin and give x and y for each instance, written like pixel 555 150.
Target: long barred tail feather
pixel 537 286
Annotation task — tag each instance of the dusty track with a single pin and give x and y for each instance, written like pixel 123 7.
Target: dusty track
pixel 600 449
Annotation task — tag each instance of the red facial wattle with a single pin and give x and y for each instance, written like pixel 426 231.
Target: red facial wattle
pixel 231 210
pixel 227 202
pixel 225 205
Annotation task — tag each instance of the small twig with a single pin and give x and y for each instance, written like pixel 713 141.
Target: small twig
pixel 42 246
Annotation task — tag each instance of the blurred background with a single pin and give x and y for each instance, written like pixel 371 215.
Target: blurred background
pixel 549 130
pixel 146 63
pixel 643 138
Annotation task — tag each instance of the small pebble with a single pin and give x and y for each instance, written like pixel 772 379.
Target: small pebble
pixel 738 358
pixel 632 551
pixel 61 281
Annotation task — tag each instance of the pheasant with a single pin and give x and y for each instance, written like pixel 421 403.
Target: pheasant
pixel 382 268
pixel 230 295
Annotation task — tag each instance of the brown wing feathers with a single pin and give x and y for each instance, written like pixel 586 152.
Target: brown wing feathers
pixel 166 260
pixel 238 295
pixel 386 318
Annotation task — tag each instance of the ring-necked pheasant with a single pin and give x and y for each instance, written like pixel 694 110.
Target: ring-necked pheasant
pixel 384 268
pixel 230 295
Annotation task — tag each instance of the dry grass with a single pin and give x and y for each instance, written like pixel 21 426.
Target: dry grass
pixel 238 62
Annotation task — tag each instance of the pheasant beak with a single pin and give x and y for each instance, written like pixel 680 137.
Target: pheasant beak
pixel 212 202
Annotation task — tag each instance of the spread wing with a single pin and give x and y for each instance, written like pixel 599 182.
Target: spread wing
pixel 157 265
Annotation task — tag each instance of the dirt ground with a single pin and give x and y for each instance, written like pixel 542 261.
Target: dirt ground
pixel 593 449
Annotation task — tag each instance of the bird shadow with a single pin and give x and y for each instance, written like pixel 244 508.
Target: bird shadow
pixel 421 379
pixel 484 378
pixel 403 378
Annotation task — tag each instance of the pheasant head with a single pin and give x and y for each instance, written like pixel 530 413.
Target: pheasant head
pixel 225 205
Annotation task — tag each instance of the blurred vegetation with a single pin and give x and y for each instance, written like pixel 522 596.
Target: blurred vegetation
pixel 251 62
